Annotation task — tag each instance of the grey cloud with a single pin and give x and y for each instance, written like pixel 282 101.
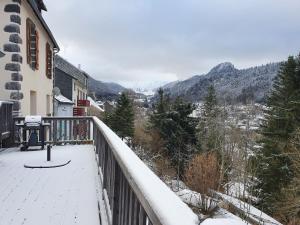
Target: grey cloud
pixel 136 40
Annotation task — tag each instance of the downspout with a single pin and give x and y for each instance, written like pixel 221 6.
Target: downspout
pixel 55 51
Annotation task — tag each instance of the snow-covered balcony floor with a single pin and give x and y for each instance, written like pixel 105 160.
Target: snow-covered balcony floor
pixel 57 196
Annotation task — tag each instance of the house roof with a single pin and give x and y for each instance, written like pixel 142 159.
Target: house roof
pixel 63 99
pixel 41 5
pixel 68 68
pixel 37 6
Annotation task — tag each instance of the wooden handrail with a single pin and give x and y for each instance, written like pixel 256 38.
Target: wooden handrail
pixel 148 200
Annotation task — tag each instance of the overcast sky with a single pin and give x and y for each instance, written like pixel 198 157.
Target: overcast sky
pixel 142 41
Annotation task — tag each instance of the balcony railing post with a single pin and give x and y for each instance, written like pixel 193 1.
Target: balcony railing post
pixel 54 131
pixel 116 199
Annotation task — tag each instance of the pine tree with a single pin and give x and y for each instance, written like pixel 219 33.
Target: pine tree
pixel 289 204
pixel 180 133
pixel 209 132
pixel 282 118
pixel 121 120
pixel 159 111
pixel 177 129
pixel 210 103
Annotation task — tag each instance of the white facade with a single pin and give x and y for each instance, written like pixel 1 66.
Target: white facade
pixel 79 91
pixel 63 107
pixel 30 89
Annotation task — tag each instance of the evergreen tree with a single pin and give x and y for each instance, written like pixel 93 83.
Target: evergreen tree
pixel 159 111
pixel 121 120
pixel 282 118
pixel 177 128
pixel 210 103
pixel 180 134
pixel 209 125
pixel 289 204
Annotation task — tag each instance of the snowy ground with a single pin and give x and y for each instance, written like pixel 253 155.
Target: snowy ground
pixel 57 196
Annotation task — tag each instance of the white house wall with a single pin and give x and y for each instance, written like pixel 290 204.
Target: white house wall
pixel 17 78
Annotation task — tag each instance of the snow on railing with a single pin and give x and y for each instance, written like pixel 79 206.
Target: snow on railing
pixel 134 194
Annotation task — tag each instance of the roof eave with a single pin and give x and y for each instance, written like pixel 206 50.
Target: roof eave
pixel 44 24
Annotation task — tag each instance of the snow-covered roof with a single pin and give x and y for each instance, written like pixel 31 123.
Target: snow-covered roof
pixel 63 99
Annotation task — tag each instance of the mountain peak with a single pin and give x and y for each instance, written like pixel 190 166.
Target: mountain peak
pixel 224 67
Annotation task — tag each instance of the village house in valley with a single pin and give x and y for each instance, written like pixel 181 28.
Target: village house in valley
pixel 72 84
pixel 27 47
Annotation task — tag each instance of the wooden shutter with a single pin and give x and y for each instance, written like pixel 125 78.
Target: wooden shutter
pixel 28 28
pixel 32 45
pixel 48 61
pixel 37 50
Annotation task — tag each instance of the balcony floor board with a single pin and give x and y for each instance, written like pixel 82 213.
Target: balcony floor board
pixel 57 196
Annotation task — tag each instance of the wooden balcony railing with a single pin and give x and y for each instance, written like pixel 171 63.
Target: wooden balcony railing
pixel 132 193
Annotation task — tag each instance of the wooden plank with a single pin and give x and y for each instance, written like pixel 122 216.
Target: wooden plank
pixel 136 208
pixel 116 196
pixel 130 208
pixel 65 130
pixel 142 216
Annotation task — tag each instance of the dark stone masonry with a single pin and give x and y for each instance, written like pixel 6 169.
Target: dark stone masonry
pixel 16 95
pixel 12 28
pixel 13 67
pixel 14 8
pixel 13 86
pixel 11 48
pixel 17 58
pixel 16 77
pixel 15 38
pixel 16 106
pixel 15 19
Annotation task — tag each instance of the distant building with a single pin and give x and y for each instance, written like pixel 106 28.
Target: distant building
pixel 26 57
pixel 71 80
pixel 62 106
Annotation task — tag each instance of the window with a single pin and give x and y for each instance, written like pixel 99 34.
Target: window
pixel 32 45
pixel 33 103
pixel 48 61
pixel 48 105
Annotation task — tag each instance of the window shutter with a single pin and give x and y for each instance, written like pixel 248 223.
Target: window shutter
pixel 48 61
pixel 37 65
pixel 28 29
pixel 32 45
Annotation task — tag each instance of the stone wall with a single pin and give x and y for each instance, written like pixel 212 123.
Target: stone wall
pixel 12 49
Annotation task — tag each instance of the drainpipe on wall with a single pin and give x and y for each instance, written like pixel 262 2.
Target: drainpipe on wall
pixel 56 50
